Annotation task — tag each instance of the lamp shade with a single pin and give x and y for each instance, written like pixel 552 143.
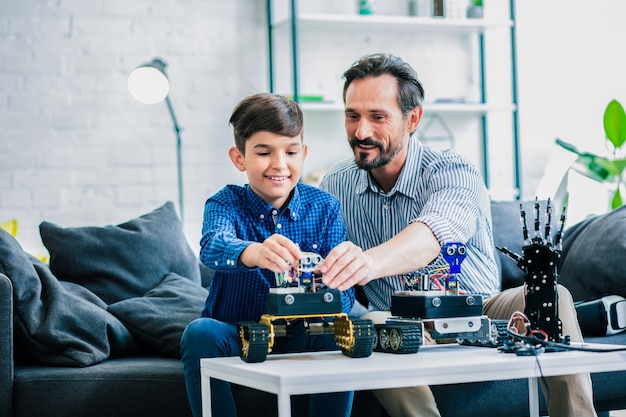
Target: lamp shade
pixel 148 83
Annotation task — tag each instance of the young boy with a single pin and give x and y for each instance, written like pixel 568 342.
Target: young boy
pixel 252 232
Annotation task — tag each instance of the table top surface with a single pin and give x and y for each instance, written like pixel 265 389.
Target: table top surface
pixel 432 365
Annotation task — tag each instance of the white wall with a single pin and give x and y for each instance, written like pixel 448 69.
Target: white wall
pixel 76 150
pixel 571 64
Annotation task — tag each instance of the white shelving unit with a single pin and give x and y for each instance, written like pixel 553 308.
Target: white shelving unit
pixel 322 40
pixel 443 108
pixel 382 22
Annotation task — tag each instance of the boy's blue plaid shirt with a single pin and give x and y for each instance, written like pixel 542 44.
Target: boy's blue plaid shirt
pixel 235 217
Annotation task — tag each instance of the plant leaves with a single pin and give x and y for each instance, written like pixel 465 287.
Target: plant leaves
pixel 599 168
pixel 612 166
pixel 595 167
pixel 616 201
pixel 567 146
pixel 615 123
pixel 619 165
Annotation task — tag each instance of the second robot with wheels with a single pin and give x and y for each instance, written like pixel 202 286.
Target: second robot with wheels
pixel 433 300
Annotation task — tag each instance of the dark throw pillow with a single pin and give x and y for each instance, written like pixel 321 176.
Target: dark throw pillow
pixel 54 324
pixel 592 262
pixel 123 261
pixel 159 318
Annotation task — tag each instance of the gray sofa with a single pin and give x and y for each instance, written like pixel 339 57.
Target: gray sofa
pixel 126 364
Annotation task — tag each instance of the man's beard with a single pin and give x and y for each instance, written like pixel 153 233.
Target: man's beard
pixel 385 155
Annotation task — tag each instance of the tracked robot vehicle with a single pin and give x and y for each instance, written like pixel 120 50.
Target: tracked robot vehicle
pixel 300 294
pixel 433 300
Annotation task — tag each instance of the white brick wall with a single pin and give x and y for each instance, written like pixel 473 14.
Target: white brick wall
pixel 76 149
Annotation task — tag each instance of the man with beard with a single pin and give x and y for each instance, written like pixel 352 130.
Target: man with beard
pixel 402 201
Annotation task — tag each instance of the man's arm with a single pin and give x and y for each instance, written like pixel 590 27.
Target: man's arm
pixel 411 249
pixel 334 236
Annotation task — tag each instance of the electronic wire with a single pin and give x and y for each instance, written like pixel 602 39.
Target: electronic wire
pixel 533 340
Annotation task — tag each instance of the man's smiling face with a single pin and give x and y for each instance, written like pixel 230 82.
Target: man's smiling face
pixel 374 122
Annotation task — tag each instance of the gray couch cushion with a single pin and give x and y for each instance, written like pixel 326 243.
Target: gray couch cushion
pixel 507 233
pixel 54 324
pixel 159 318
pixel 125 387
pixel 122 261
pixel 594 251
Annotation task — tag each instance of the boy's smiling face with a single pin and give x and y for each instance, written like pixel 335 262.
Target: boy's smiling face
pixel 273 165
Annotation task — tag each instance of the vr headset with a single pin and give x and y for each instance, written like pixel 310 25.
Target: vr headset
pixel 602 317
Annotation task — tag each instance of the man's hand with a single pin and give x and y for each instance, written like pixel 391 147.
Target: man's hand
pixel 411 249
pixel 345 266
pixel 276 253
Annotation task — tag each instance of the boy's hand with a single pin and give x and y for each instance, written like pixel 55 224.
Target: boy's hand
pixel 276 253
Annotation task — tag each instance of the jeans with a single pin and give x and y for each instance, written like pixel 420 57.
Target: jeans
pixel 210 338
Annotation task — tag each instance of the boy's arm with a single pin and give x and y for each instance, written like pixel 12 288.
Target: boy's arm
pixel 220 245
pixel 222 249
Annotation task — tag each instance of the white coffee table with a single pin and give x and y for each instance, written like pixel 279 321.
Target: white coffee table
pixel 310 373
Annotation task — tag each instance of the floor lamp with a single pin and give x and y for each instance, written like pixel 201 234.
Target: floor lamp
pixel 148 84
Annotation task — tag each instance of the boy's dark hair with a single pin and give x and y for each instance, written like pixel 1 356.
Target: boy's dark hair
pixel 265 112
pixel 410 89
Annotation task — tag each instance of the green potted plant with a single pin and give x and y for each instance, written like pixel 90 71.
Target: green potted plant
pixel 605 169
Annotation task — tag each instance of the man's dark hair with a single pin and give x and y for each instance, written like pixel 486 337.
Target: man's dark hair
pixel 410 90
pixel 265 112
